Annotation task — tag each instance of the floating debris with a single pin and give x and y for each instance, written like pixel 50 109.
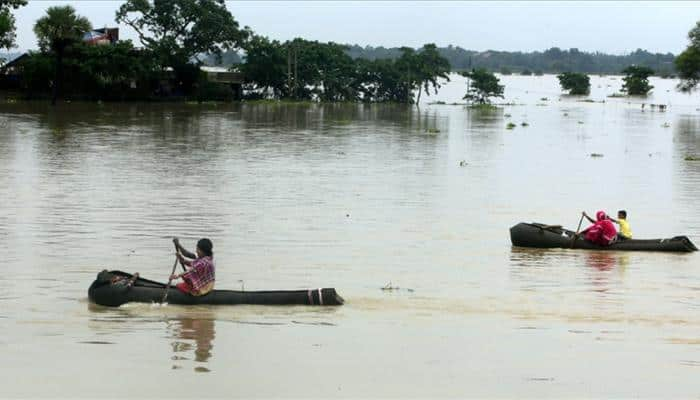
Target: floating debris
pixel 691 157
pixel 666 125
pixel 506 115
pixel 432 130
pixel 390 287
pixel 580 122
pixel 566 114
pixel 596 155
pixel 463 163
pixel 524 124
pixel 544 99
pixel 510 125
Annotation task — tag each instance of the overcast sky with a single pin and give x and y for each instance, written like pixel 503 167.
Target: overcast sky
pixel 611 27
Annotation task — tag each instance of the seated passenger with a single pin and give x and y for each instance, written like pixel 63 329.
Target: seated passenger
pixel 625 231
pixel 198 280
pixel 602 232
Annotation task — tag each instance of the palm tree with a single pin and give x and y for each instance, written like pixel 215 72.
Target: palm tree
pixel 56 31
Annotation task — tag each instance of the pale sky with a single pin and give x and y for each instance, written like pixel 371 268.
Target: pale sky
pixel 610 27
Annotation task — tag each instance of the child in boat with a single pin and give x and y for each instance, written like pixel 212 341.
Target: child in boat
pixel 625 231
pixel 602 232
pixel 199 279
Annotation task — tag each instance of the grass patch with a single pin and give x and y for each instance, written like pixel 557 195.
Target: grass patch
pixel 510 125
pixel 484 107
pixel 596 155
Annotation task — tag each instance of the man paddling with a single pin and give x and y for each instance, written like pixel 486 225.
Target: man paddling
pixel 199 279
pixel 602 232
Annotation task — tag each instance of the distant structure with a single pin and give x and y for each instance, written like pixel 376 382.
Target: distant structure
pixel 101 36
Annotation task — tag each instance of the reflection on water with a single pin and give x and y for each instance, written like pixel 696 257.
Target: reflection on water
pixel 607 260
pixel 192 335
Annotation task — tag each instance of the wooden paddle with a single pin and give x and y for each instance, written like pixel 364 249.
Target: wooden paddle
pixel 578 228
pixel 170 279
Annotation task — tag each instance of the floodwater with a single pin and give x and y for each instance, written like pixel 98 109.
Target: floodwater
pixel 355 197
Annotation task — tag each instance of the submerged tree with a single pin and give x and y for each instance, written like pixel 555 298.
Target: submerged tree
pixel 431 66
pixel 59 29
pixel 688 62
pixel 482 86
pixel 637 80
pixel 7 22
pixel 576 83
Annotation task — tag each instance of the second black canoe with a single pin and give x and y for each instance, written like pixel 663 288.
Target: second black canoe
pixel 554 236
pixel 104 292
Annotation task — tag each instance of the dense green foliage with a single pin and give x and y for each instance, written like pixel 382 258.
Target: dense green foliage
pixel 307 70
pixel 576 83
pixel 482 85
pixel 688 62
pixel 180 35
pixel 56 32
pixel 176 31
pixel 636 80
pixel 7 22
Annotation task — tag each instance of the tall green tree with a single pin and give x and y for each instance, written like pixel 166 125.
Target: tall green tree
pixel 265 66
pixel 637 80
pixel 482 86
pixel 576 83
pixel 688 62
pixel 178 31
pixel 59 29
pixel 431 67
pixel 7 22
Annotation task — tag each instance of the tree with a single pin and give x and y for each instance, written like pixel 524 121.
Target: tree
pixel 177 31
pixel 265 65
pixel 482 85
pixel 431 66
pixel 108 72
pixel 576 83
pixel 688 62
pixel 7 22
pixel 60 28
pixel 637 80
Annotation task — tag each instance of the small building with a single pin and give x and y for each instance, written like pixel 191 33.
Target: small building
pixel 222 75
pixel 11 72
pixel 101 36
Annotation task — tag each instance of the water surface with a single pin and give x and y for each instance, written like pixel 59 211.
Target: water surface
pixel 354 197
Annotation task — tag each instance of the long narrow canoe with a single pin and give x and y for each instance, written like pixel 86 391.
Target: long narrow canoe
pixel 104 292
pixel 554 236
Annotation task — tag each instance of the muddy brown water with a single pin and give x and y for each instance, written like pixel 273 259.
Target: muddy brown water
pixel 355 197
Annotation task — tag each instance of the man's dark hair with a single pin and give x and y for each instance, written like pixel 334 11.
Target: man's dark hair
pixel 622 213
pixel 206 246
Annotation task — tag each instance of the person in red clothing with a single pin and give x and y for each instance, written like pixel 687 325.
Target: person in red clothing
pixel 199 278
pixel 602 232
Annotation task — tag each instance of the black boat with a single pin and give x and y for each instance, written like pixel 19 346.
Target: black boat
pixel 108 291
pixel 554 236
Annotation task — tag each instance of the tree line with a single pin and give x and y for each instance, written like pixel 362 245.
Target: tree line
pixel 551 61
pixel 178 36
